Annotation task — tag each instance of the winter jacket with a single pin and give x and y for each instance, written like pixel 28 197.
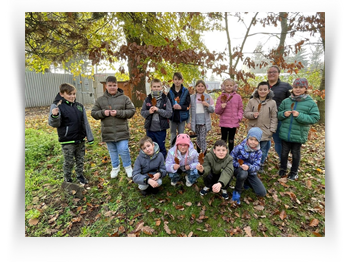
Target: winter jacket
pixel 267 119
pixel 251 159
pixel 114 128
pixel 281 91
pixel 207 111
pixel 223 167
pixel 146 164
pixel 183 114
pixel 71 122
pixel 232 114
pixel 164 111
pixel 190 159
pixel 296 129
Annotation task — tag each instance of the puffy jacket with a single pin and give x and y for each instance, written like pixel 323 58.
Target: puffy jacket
pixel 190 159
pixel 146 164
pixel 183 114
pixel 251 159
pixel 281 91
pixel 114 128
pixel 267 119
pixel 232 114
pixel 296 129
pixel 207 111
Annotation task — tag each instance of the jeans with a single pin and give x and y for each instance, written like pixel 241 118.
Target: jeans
pixel 159 138
pixel 265 147
pixel 173 127
pixel 119 148
pixel 295 149
pixel 277 140
pixel 244 177
pixel 191 174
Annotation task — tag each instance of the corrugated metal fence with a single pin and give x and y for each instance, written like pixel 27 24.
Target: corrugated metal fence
pixel 41 89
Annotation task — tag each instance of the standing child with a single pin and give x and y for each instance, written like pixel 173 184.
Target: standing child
pixel 180 102
pixel 230 108
pixel 156 110
pixel 261 111
pixel 114 109
pixel 69 117
pixel 217 170
pixel 201 106
pixel 149 168
pixel 246 162
pixel 296 113
pixel 182 158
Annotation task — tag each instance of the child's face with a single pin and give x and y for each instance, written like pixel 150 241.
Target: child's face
pixel 177 82
pixel 182 148
pixel 69 97
pixel 253 142
pixel 263 91
pixel 220 152
pixel 148 148
pixel 229 85
pixel 112 88
pixel 156 87
pixel 299 90
pixel 200 88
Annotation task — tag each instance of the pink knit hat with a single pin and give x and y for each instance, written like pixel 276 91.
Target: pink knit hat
pixel 183 139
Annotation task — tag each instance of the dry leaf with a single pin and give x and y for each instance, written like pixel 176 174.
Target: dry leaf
pixel 308 184
pixel 177 161
pixel 223 98
pixel 248 231
pixel 201 158
pixel 202 97
pixel 188 204
pixel 158 223
pixel 33 222
pixel 147 230
pixel 292 106
pixel 283 214
pixel 154 101
pixel 166 228
pixel 314 222
pixel 240 161
pixel 259 207
pixel 259 107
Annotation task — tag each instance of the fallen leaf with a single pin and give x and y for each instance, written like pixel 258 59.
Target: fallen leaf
pixel 166 228
pixel 248 231
pixel 33 222
pixel 147 230
pixel 308 184
pixel 158 223
pixel 314 222
pixel 283 214
pixel 188 204
pixel 259 207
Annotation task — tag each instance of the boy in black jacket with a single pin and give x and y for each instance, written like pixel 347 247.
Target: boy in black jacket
pixel 69 117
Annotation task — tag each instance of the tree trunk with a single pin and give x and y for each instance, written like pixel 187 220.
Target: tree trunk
pixel 322 104
pixel 284 31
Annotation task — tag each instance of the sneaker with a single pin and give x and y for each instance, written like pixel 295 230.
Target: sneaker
pixel 128 171
pixel 203 192
pixel 154 190
pixel 188 183
pixel 82 180
pixel 173 183
pixel 115 171
pixel 293 175
pixel 282 173
pixel 236 197
pixel 224 194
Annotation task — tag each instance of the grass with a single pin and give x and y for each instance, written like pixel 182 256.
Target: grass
pixel 114 207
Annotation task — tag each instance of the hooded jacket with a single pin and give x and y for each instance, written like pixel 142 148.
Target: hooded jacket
pixel 207 111
pixel 232 114
pixel 71 122
pixel 190 159
pixel 114 128
pixel 182 114
pixel 251 159
pixel 267 119
pixel 221 167
pixel 146 164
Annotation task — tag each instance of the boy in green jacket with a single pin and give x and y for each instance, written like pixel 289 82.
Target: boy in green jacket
pixel 217 170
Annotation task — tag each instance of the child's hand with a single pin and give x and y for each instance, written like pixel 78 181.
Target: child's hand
pixel 188 126
pixel 295 113
pixel 216 187
pixel 256 114
pixel 187 167
pixel 176 166
pixel 152 183
pixel 287 113
pixel 113 112
pixel 151 110
pixel 245 167
pixel 200 168
pixel 106 112
pixel 205 103
pixel 177 106
pixel 156 176
pixel 223 105
pixel 55 111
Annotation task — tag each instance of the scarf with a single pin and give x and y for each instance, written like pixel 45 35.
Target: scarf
pixel 249 149
pixel 298 98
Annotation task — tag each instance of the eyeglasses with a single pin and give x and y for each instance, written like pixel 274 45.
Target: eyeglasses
pixel 272 72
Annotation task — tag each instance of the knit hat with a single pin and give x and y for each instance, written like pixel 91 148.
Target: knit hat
pixel 255 132
pixel 183 139
pixel 301 82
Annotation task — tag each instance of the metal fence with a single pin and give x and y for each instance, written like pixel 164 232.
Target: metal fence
pixel 41 89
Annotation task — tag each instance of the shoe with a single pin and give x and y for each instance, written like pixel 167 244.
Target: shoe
pixel 82 180
pixel 224 194
pixel 188 183
pixel 293 175
pixel 154 190
pixel 69 180
pixel 282 173
pixel 173 183
pixel 115 171
pixel 203 192
pixel 128 171
pixel 246 187
pixel 236 197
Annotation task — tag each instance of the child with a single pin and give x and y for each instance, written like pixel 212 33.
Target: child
pixel 114 109
pixel 69 117
pixel 249 154
pixel 182 158
pixel 261 111
pixel 296 113
pixel 157 116
pixel 180 102
pixel 230 108
pixel 149 168
pixel 217 170
pixel 199 114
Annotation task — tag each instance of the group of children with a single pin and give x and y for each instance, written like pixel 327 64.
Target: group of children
pixel 161 112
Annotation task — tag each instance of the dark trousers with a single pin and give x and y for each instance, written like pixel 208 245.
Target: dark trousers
pixel 212 179
pixel 230 132
pixel 159 138
pixel 245 178
pixel 294 148
pixel 73 154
